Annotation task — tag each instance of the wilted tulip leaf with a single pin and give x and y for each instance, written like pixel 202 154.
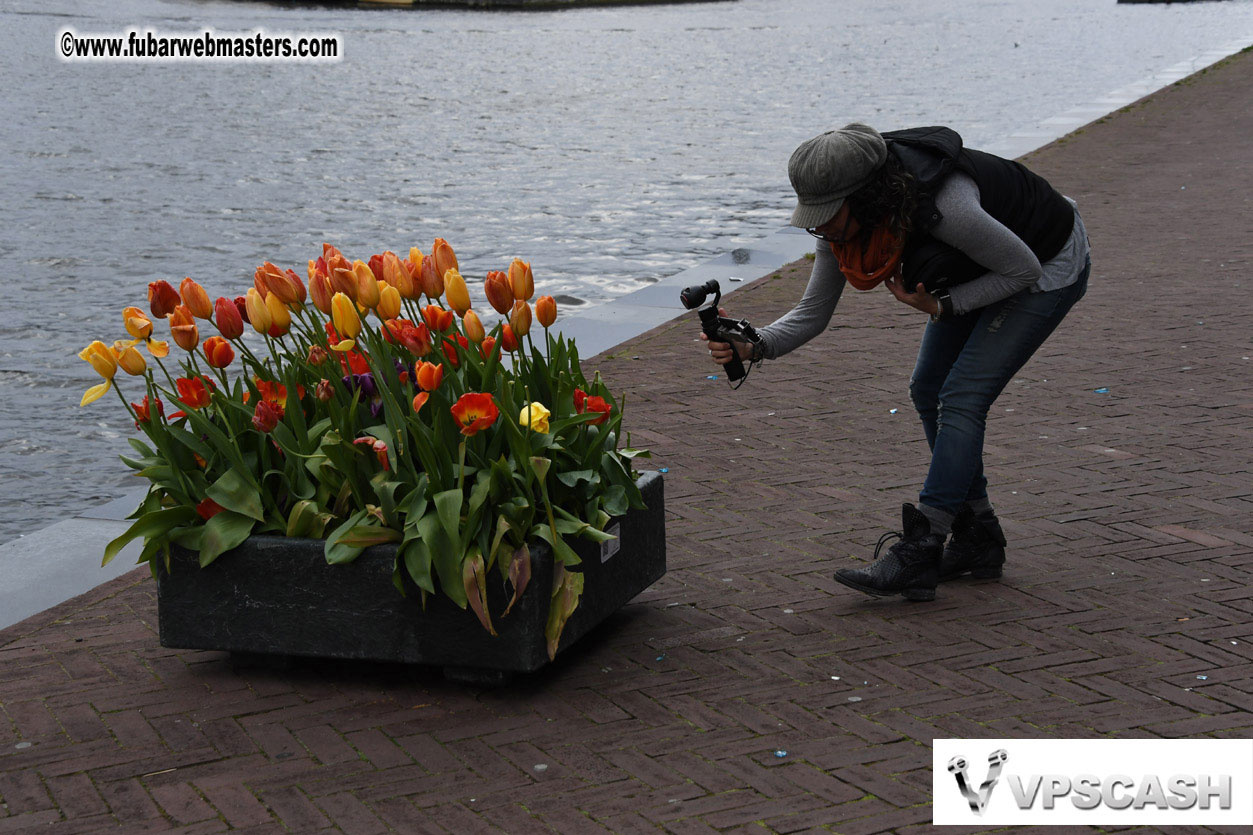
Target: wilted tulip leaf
pixel 474 577
pixel 519 574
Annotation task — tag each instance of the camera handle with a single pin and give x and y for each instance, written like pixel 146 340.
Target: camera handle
pixel 712 324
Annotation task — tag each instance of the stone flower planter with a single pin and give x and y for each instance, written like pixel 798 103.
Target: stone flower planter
pixel 275 596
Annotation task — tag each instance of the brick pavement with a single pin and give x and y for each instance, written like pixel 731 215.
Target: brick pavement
pixel 1131 551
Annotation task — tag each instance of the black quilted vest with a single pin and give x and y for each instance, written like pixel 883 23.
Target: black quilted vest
pixel 1008 191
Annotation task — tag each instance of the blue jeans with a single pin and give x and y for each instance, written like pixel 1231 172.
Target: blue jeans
pixel 963 365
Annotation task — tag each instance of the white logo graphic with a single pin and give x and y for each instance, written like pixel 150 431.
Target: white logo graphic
pixel 978 800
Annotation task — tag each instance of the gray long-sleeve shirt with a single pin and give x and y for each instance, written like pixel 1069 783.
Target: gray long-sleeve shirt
pixel 1012 267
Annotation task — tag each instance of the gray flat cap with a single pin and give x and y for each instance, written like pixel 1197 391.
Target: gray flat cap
pixel 828 168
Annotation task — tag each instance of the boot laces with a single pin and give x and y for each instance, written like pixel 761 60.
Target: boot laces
pixel 885 539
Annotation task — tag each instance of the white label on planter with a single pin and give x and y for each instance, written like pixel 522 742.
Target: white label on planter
pixel 611 547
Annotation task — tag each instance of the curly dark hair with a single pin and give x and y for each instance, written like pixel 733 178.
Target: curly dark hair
pixel 891 198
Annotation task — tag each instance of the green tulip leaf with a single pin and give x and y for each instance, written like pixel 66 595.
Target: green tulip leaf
pixel 222 533
pixel 233 492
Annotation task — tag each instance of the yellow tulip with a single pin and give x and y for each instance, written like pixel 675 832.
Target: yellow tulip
pixel 520 318
pixel 367 285
pixel 347 322
pixel 258 313
pixel 280 316
pixel 129 359
pixel 473 327
pixel 389 302
pixel 521 280
pixel 535 415
pixel 456 292
pixel 137 322
pixel 104 362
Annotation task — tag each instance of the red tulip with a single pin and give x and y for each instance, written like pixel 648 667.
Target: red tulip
pixel 162 298
pixel 499 293
pixel 194 392
pixel 266 416
pixel 474 412
pixel 226 317
pixel 208 508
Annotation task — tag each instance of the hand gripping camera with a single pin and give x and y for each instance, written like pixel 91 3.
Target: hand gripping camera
pixel 720 328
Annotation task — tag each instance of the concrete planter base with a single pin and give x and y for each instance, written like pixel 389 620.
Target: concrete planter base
pixel 275 596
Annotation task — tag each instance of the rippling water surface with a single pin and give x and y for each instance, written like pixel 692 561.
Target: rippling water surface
pixel 610 147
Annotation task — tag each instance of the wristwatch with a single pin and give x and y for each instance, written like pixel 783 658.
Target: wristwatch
pixel 944 305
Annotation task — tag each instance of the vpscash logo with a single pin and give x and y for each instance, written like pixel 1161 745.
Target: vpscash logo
pixel 1094 781
pixel 978 800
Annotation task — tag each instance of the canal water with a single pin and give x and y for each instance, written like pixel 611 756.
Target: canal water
pixel 611 147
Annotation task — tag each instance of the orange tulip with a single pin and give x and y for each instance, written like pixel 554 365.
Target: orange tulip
pixel 443 256
pixel 437 319
pixel 430 375
pixel 389 302
pixel 258 314
pixel 226 317
pixel 128 359
pixel 473 327
pixel 218 352
pixel 507 340
pixel 474 412
pixel 432 282
pixel 298 285
pixel 342 278
pixel 546 311
pixel 137 322
pixel 419 400
pixel 320 292
pixel 521 280
pixel 499 293
pixel 162 298
pixel 367 285
pixel 277 282
pixel 395 274
pixel 456 291
pixel 520 318
pixel 195 298
pixel 183 328
pixel 488 345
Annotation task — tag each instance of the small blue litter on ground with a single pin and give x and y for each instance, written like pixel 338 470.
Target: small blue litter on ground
pixel 712 377
pixel 1203 678
pixel 664 470
pixel 1101 390
pixel 661 657
pixel 891 411
pixel 780 753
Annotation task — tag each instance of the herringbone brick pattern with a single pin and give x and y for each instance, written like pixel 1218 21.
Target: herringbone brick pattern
pixel 747 691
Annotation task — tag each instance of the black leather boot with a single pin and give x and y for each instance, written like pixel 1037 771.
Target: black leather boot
pixel 977 547
pixel 911 567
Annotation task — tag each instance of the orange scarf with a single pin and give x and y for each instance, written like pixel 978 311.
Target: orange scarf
pixel 866 267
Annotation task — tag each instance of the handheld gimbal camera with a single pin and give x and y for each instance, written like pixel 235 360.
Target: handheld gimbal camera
pixel 720 328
